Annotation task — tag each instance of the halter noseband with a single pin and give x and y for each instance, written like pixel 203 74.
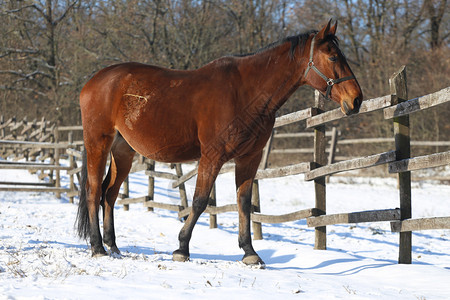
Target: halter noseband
pixel 330 82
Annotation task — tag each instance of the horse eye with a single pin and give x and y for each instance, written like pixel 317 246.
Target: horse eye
pixel 333 58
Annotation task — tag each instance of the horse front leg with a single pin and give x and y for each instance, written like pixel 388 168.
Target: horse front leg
pixel 246 168
pixel 207 174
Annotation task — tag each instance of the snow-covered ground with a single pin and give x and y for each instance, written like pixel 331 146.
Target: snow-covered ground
pixel 41 257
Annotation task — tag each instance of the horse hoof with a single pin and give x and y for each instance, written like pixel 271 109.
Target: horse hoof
pixel 254 261
pixel 113 250
pixel 179 256
pixel 98 252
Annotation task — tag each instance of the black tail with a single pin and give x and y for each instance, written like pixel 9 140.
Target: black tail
pixel 82 222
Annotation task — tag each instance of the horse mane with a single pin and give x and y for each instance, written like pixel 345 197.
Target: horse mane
pixel 298 40
pixel 330 38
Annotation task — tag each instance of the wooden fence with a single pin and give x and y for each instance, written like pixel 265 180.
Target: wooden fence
pixel 36 142
pixel 395 107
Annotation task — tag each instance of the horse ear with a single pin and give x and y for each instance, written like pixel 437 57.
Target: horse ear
pixel 324 31
pixel 333 28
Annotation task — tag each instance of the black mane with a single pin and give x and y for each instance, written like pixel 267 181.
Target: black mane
pixel 295 40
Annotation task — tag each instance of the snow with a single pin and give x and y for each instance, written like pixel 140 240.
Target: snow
pixel 42 258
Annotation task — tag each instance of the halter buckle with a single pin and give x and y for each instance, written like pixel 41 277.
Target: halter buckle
pixel 310 64
pixel 330 82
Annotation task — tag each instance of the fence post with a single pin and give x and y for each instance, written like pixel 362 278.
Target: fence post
pixel 182 187
pixel 266 152
pixel 399 93
pixel 151 183
pixel 57 171
pixel 333 144
pixel 320 159
pixel 2 129
pixel 126 193
pixel 71 164
pixel 256 207
pixel 212 202
pixel 33 126
pixel 39 136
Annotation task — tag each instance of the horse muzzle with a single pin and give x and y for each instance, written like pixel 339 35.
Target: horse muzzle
pixel 353 108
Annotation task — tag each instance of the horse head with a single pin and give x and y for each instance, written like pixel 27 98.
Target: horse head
pixel 331 74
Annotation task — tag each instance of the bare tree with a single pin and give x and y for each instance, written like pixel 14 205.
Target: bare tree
pixel 33 55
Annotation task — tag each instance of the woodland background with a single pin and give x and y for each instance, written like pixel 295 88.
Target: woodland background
pixel 49 49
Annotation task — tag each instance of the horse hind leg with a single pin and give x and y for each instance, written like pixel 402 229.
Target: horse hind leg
pixel 96 150
pixel 121 160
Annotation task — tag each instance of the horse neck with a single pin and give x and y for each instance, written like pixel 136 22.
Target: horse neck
pixel 271 77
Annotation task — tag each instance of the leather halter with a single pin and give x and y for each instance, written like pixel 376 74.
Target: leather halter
pixel 330 82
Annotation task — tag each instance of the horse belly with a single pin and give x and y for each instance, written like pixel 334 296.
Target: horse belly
pixel 172 153
pixel 165 144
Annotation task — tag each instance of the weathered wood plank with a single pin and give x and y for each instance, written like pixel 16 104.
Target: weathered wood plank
pixel 184 178
pixel 161 175
pixel 336 114
pixel 353 164
pixel 27 144
pixel 293 135
pixel 389 140
pixel 294 216
pixel 126 201
pixel 421 224
pixel 333 143
pixel 292 151
pixel 399 92
pixel 22 166
pixel 137 167
pixel 70 128
pixel 300 134
pixel 320 159
pixel 417 104
pixel 172 207
pixel 76 153
pixel 256 208
pixel 72 193
pixel 26 183
pixel 284 171
pixel 355 217
pixel 229 167
pixel 294 117
pixel 420 162
pixel 366 141
pixel 266 152
pixel 35 189
pixel 24 163
pixel 210 210
pixel 6 123
pixel 430 143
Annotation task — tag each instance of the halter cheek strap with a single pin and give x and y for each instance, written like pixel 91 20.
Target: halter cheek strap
pixel 330 82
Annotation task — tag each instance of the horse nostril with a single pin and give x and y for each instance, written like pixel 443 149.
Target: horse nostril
pixel 356 103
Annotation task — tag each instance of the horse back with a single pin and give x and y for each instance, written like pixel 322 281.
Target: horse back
pixel 163 114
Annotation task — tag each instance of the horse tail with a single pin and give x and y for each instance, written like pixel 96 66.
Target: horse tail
pixel 82 221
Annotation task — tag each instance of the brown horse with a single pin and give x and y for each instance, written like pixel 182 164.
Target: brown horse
pixel 222 111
